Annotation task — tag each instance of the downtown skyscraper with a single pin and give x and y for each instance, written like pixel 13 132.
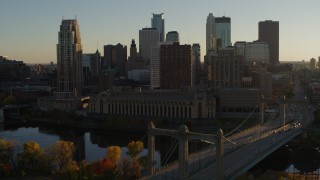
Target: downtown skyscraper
pixel 211 38
pixel 69 59
pixel 148 37
pixel 158 22
pixel 175 66
pixel 269 33
pixel 223 31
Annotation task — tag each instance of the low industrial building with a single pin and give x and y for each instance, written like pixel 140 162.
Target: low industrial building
pixel 68 104
pixel 190 104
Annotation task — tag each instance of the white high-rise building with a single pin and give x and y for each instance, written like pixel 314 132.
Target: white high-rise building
pixel 211 38
pixel 158 23
pixel 155 65
pixel 257 52
pixel 223 31
pixel 148 37
pixel 69 59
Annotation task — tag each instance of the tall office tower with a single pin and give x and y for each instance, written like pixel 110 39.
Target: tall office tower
pixel 148 37
pixel 269 33
pixel 158 23
pixel 155 65
pixel 257 52
pixel 106 63
pixel 196 64
pixel 134 62
pixel 175 66
pixel 240 47
pixel 225 70
pixel 69 55
pixel 172 36
pixel 115 57
pixel 312 63
pixel 211 38
pixel 91 68
pixel 133 51
pixel 223 31
pixel 119 59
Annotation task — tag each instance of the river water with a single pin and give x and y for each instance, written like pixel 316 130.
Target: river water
pixel 91 146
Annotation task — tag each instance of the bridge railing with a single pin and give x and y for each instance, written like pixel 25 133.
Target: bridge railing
pixel 262 154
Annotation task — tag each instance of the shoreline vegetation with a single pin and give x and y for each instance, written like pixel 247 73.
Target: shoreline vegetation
pixel 56 162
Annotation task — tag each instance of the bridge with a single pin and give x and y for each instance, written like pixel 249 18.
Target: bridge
pixel 234 153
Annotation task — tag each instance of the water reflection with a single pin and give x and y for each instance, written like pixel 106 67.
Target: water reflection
pixel 92 145
pixel 292 159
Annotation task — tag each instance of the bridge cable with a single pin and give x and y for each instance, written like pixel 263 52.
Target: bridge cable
pixel 169 151
pixel 176 144
pixel 242 122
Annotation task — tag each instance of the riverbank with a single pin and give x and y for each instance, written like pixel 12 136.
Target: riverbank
pixel 122 123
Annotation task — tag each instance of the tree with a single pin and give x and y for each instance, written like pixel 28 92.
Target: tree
pixel 31 155
pixel 70 171
pixel 131 168
pixel 7 154
pixel 113 153
pixel 60 154
pixel 134 149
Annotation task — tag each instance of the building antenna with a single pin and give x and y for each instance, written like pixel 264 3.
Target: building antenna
pixel 97 44
pixel 62 17
pixel 224 13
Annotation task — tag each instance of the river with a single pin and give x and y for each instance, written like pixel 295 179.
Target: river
pixel 92 145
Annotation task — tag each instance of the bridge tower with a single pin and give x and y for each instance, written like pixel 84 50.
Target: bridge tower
pixel 261 111
pixel 184 136
pixel 282 108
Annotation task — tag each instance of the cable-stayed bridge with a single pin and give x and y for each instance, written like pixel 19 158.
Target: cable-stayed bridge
pixel 234 153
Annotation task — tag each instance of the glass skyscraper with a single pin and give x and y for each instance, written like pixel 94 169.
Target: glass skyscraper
pixel 223 31
pixel 158 22
pixel 69 59
pixel 211 40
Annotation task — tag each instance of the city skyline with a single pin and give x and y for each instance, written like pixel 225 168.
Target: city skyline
pixel 28 30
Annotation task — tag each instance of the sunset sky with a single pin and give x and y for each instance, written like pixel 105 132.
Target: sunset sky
pixel 29 28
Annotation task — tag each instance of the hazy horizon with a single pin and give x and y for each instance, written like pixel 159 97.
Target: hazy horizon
pixel 29 29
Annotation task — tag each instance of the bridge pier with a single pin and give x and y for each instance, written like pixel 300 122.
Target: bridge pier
pixel 219 150
pixel 184 137
pixel 261 113
pixel 282 111
pixel 151 149
pixel 304 113
pixel 183 152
